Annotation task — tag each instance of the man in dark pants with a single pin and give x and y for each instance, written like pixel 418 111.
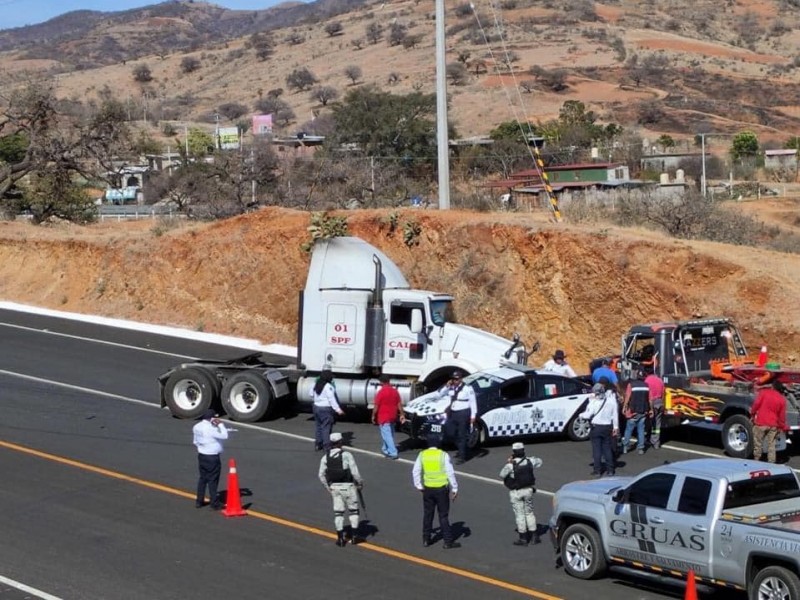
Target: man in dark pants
pixel 462 412
pixel 434 476
pixel 206 437
pixel 603 415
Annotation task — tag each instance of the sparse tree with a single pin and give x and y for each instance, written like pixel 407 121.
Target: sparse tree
pixel 555 80
pixel 334 28
pixel 527 85
pixel 232 110
pixel 190 64
pixel 649 112
pixel 456 73
pixel 397 33
pixel 357 43
pixel 142 73
pixel 295 38
pixel 412 40
pixel 374 32
pixel 353 73
pixel 324 94
pixel 463 56
pixel 478 66
pixel 300 79
pixel 280 110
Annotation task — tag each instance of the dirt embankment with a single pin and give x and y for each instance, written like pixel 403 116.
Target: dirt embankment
pixel 572 287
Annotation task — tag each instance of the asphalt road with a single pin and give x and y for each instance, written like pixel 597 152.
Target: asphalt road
pixel 98 499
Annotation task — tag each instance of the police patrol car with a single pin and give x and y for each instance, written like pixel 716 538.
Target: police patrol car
pixel 513 401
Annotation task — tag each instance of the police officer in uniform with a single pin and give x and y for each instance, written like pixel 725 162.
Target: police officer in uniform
pixel 462 412
pixel 434 476
pixel 517 475
pixel 339 474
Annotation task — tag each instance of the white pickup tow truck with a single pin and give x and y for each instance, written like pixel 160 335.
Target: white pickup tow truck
pixel 734 523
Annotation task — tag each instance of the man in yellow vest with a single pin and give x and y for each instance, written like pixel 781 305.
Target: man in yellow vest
pixel 434 476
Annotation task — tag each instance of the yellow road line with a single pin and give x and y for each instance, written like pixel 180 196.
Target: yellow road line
pixel 499 583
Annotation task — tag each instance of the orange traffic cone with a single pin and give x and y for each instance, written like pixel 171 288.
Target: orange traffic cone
pixel 233 504
pixel 762 357
pixel 691 587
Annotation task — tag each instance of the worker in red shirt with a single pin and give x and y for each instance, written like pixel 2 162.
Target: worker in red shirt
pixel 768 414
pixel 655 385
pixel 387 409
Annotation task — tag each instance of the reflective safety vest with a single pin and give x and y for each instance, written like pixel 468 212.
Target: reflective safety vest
pixel 433 473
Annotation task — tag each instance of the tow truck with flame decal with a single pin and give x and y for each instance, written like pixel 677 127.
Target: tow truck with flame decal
pixel 708 376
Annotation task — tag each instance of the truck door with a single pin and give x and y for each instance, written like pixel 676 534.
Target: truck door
pixel 405 350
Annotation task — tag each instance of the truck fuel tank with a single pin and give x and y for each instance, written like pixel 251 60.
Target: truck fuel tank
pixel 354 392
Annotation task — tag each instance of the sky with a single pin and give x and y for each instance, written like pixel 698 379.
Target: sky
pixel 18 13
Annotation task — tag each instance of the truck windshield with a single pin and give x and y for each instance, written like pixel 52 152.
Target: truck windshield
pixel 761 489
pixel 441 312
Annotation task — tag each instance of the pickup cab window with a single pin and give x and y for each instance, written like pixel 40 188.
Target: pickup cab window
pixel 652 490
pixel 694 496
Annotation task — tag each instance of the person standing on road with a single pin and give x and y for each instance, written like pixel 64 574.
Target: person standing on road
pixel 326 407
pixel 462 412
pixel 558 364
pixel 604 370
pixel 655 386
pixel 602 413
pixel 207 437
pixel 636 408
pixel 339 474
pixel 768 414
pixel 434 476
pixel 517 475
pixel 387 409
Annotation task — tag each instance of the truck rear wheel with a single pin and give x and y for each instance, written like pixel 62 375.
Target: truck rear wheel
pixel 190 392
pixel 246 397
pixel 775 583
pixel 582 552
pixel 737 436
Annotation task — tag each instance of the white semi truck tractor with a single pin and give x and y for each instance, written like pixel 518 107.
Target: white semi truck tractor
pixel 359 318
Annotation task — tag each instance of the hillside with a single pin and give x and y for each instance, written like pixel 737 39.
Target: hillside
pixel 569 286
pixel 715 67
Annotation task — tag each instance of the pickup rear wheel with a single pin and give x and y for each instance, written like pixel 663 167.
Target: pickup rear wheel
pixel 775 583
pixel 189 392
pixel 737 436
pixel 246 397
pixel 582 552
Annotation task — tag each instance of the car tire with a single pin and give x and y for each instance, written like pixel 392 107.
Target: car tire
pixel 578 429
pixel 774 582
pixel 478 436
pixel 582 552
pixel 737 436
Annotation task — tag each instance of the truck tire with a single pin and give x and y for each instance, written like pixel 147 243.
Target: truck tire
pixel 190 392
pixel 582 552
pixel 775 582
pixel 578 429
pixel 246 397
pixel 737 436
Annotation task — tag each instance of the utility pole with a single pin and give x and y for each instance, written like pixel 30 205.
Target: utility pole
pixel 441 112
pixel 703 176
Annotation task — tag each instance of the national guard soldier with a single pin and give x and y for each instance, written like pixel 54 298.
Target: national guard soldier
pixel 339 474
pixel 517 475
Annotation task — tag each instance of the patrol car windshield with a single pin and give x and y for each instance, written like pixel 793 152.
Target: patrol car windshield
pixel 482 381
pixel 441 312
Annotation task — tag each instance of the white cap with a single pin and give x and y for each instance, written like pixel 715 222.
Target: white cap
pixel 336 438
pixel 518 446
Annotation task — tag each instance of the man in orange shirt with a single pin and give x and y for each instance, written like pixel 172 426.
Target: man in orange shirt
pixel 768 414
pixel 385 412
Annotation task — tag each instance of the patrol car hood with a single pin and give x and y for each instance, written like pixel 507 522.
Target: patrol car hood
pixel 428 404
pixel 481 348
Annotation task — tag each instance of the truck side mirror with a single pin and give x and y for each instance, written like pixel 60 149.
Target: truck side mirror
pixel 416 320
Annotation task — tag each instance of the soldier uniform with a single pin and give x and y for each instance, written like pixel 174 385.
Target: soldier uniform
pixel 339 474
pixel 517 475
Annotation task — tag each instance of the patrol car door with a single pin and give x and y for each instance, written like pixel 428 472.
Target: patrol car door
pixel 647 527
pixel 506 414
pixel 555 400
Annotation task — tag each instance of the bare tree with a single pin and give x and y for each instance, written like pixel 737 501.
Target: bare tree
pixel 190 64
pixel 374 32
pixel 456 73
pixel 324 94
pixel 357 43
pixel 397 33
pixel 353 73
pixel 300 79
pixel 334 28
pixel 142 73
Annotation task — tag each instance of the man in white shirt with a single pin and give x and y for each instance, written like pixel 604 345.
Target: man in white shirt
pixel 558 364
pixel 207 435
pixel 603 415
pixel 462 412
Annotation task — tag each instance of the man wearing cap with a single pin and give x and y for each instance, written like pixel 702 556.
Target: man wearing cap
pixel 207 436
pixel 433 475
pixel 339 474
pixel 558 364
pixel 517 475
pixel 462 411
pixel 388 407
pixel 326 407
pixel 602 413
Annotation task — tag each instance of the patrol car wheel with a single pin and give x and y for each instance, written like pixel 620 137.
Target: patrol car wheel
pixel 775 583
pixel 737 437
pixel 578 429
pixel 478 436
pixel 582 552
pixel 246 397
pixel 189 393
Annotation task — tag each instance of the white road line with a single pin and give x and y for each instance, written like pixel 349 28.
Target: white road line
pixel 28 589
